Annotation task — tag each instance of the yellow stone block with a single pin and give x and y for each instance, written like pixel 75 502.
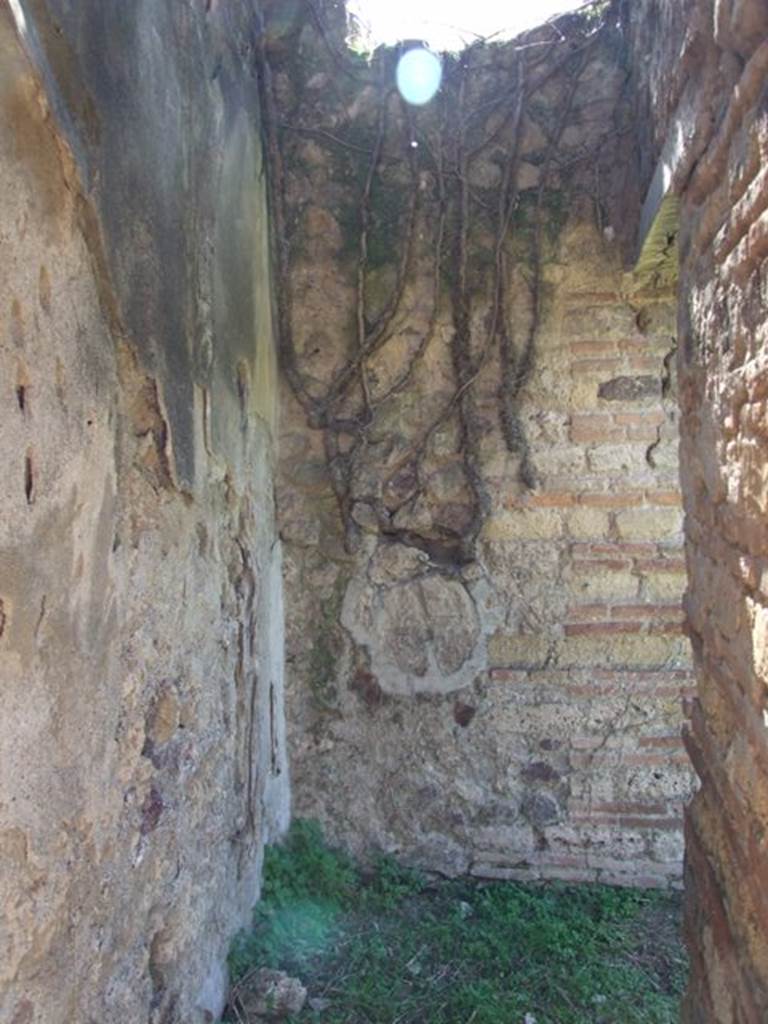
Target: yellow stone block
pixel 659 524
pixel 525 524
pixel 633 652
pixel 664 586
pixel 588 523
pixel 519 650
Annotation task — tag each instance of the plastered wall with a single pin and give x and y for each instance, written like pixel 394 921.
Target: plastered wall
pixel 142 753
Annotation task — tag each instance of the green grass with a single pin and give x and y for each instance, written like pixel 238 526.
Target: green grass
pixel 384 945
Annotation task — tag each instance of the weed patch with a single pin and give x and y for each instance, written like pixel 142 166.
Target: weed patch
pixel 386 945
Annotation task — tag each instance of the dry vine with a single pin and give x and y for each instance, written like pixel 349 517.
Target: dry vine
pixel 471 124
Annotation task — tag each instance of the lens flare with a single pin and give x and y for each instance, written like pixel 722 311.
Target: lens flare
pixel 419 73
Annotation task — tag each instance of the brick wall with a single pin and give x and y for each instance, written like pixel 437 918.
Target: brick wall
pixel 612 660
pixel 716 162
pixel 723 402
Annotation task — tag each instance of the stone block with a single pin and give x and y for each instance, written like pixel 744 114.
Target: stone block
pixel 395 563
pixel 628 460
pixel 664 586
pixel 541 809
pixel 656 524
pixel 630 389
pixel 625 651
pixel 597 582
pixel 584 391
pixel 526 873
pixel 519 650
pixel 436 852
pixel 524 524
pixel 561 460
pixel 511 841
pixel 587 523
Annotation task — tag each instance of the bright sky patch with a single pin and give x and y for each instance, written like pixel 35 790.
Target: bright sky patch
pixel 452 24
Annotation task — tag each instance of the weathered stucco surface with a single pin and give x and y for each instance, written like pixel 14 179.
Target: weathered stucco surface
pixel 479 484
pixel 142 756
pixel 704 98
pixel 478 494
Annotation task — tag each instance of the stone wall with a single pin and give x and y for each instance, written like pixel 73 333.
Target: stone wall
pixel 479 492
pixel 141 739
pixel 479 484
pixel 708 105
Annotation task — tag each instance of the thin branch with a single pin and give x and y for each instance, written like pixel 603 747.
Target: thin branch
pixel 276 203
